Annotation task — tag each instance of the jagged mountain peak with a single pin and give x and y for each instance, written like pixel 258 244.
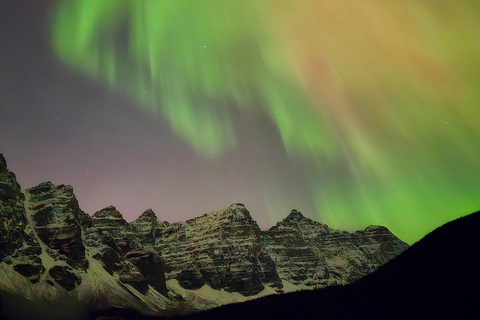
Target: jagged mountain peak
pixel 48 186
pixel 148 214
pixel 42 187
pixel 376 228
pixel 236 209
pixel 238 204
pixel 3 162
pixel 149 218
pixel 235 213
pixel 375 231
pixel 295 215
pixel 294 219
pixel 108 212
pixel 147 225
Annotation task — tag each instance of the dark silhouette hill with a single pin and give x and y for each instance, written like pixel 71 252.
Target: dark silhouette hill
pixel 436 278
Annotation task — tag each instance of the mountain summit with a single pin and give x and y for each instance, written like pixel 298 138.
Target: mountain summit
pixel 295 215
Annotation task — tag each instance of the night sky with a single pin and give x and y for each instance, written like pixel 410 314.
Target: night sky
pixel 352 112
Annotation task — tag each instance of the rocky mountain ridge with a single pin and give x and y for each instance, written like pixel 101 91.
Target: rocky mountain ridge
pixel 50 250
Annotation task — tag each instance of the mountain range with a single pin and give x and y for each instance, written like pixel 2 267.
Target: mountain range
pixel 435 278
pixel 57 261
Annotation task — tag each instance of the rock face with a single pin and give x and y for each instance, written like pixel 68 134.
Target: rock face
pixel 223 249
pixel 55 214
pixel 310 253
pixel 18 245
pixel 51 250
pixel 113 243
pixel 227 250
pixel 148 228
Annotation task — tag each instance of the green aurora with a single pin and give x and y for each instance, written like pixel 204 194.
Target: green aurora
pixel 379 102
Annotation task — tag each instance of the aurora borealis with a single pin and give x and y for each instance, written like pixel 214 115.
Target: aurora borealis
pixel 354 112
